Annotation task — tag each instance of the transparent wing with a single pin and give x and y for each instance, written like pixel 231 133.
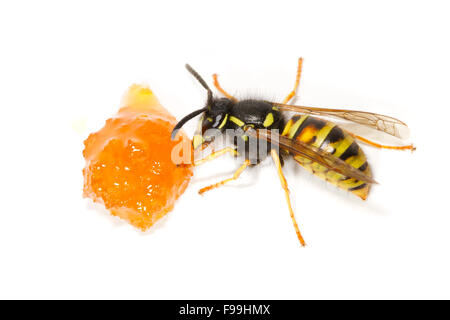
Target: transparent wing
pixel 379 122
pixel 312 153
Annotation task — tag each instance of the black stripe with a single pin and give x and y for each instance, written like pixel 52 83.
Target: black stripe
pixel 358 187
pixel 295 119
pixel 352 150
pixel 310 121
pixel 336 134
pixel 364 166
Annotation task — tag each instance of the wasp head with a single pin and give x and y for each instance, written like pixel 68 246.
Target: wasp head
pixel 213 116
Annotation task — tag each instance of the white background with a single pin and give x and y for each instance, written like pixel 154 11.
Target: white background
pixel 63 69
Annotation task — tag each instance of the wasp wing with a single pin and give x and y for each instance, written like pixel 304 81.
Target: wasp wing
pixel 312 153
pixel 379 122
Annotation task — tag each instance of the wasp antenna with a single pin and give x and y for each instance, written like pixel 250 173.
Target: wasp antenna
pixel 184 120
pixel 200 79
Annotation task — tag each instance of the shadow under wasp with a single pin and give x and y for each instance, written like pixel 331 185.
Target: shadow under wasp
pixel 317 144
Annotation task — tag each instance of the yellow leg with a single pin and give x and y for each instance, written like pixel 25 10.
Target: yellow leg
pixel 219 88
pixel 215 155
pixel 297 82
pixel 381 146
pixel 276 160
pixel 221 183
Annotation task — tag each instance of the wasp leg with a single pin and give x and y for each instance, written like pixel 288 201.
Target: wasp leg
pixel 218 87
pixel 215 155
pixel 381 146
pixel 297 82
pixel 221 183
pixel 276 160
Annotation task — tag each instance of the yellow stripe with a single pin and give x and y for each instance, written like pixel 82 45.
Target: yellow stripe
pixel 237 121
pixel 323 134
pixel 224 121
pixel 343 145
pixel 269 120
pixel 296 125
pixel 350 183
pixel 333 177
pixel 356 161
pixel 287 127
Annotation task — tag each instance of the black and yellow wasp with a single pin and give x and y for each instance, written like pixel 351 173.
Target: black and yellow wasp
pixel 320 146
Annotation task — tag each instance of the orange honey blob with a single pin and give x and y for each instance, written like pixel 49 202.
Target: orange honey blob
pixel 129 163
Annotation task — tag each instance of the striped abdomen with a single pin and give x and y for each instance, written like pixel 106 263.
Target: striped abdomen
pixel 332 139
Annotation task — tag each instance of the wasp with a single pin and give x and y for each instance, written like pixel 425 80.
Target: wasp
pixel 319 145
